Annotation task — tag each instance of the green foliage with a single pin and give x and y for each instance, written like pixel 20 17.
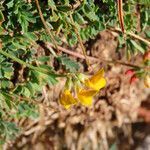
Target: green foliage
pixel 19 12
pixel 27 110
pixel 8 130
pixel 69 64
pixel 133 47
pixel 143 2
pixel 25 68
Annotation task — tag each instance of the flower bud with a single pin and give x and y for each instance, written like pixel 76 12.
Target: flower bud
pixel 129 72
pixel 82 77
pixel 133 79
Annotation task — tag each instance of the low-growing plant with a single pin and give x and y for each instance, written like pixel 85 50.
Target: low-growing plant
pixel 32 33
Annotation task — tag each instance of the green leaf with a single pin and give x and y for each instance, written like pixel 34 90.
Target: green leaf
pixel 24 23
pixel 44 37
pixel 8 129
pixel 51 80
pixel 1 74
pixel 18 45
pixel 70 65
pixel 137 46
pixel 27 110
pixel 64 8
pixel 72 38
pixel 87 8
pixel 79 19
pixel 25 92
pixel 143 2
pixel 54 17
pixel 51 4
pixel 2 58
pixel 144 19
pixel 90 13
pixel 147 33
pixel 30 35
pixel 10 4
pixel 6 84
pixel 34 88
pixel 46 67
pixel 1 17
pixel 99 26
pixel 35 76
pixel 8 101
pixel 7 71
pixel 2 31
pixel 44 59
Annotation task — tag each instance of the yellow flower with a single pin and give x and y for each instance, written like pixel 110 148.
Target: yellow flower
pixel 86 96
pixel 67 99
pixel 97 81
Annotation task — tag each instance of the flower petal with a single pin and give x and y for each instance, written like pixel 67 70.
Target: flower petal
pixel 97 81
pixel 86 96
pixel 98 85
pixel 97 76
pixel 67 99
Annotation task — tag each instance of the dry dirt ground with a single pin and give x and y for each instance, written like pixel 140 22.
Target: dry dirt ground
pixel 112 122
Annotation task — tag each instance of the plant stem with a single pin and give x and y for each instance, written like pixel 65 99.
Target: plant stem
pixel 120 14
pixel 78 55
pixel 46 27
pixel 80 41
pixel 70 52
pixel 133 35
pixel 42 70
pixel 29 100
